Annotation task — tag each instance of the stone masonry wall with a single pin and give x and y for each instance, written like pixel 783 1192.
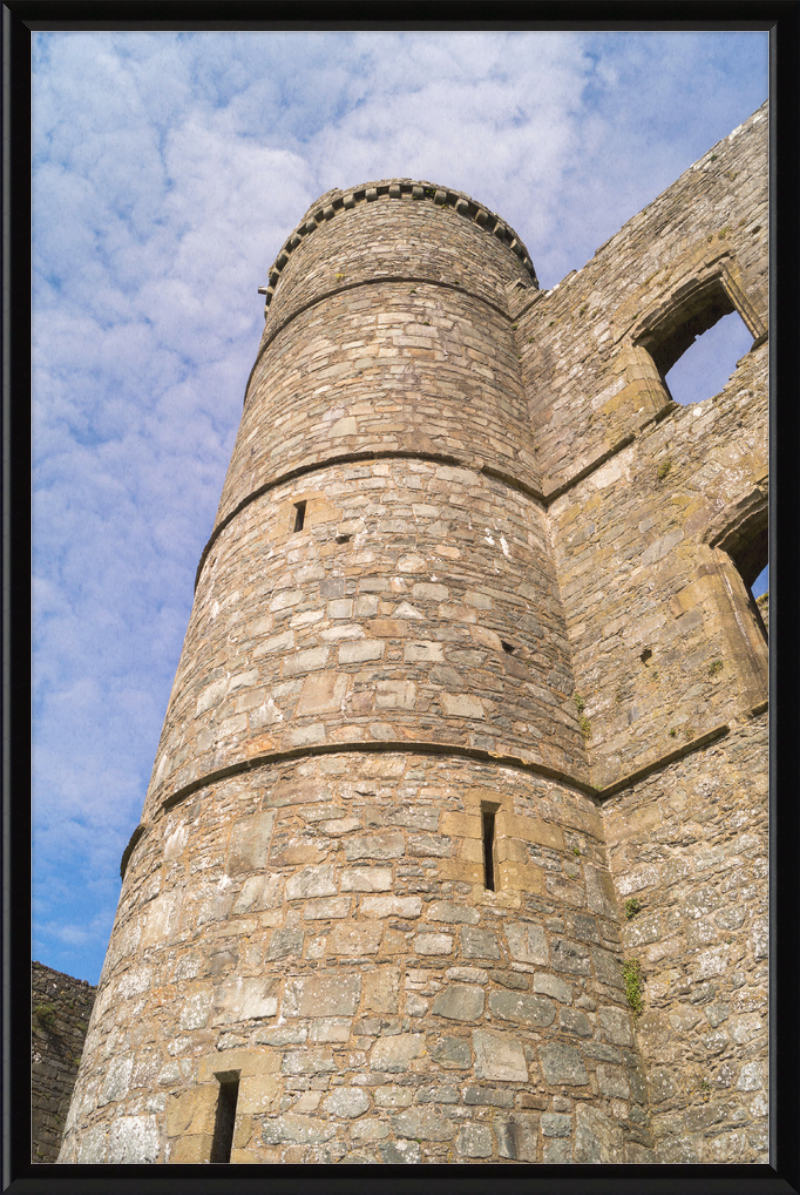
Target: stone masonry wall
pixel 321 926
pixel 590 379
pixel 665 643
pixel 689 845
pixel 655 546
pixel 60 1010
pixel 384 619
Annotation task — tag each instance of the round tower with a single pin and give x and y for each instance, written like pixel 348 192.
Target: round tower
pixel 367 913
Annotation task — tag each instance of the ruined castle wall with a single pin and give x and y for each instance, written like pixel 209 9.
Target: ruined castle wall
pixel 321 926
pixel 689 845
pixel 655 546
pixel 590 377
pixel 665 643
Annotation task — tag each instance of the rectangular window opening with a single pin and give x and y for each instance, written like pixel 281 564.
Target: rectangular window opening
pixel 488 816
pixel 222 1141
pixel 299 515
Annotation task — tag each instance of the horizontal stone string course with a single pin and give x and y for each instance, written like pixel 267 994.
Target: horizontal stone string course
pixel 455 845
pixel 277 326
pixel 208 781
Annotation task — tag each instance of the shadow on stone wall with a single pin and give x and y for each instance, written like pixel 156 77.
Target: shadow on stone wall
pixel 60 1011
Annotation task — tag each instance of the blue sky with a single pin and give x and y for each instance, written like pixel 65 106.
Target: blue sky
pixel 168 170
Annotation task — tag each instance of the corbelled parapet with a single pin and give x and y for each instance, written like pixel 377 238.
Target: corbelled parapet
pixel 418 759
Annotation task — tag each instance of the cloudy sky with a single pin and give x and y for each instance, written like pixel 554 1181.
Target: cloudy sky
pixel 168 170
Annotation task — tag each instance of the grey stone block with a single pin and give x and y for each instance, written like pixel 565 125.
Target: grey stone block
pixel 459 1002
pixel 522 1007
pixel 563 1065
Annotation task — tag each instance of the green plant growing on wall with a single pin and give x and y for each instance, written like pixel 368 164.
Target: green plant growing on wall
pixel 663 469
pixel 634 985
pixel 632 907
pixel 45 1014
pixel 576 851
pixel 714 667
pixel 580 704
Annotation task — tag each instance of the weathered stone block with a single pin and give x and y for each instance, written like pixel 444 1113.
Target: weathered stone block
pixel 355 941
pixel 394 1054
pixel 366 879
pixel 452 1052
pixel 133 1140
pixel 322 995
pixel 302 1130
pixel 399 1153
pixel 517 1137
pixel 250 843
pixel 572 1020
pixel 459 1002
pixel 572 957
pixel 522 1007
pixel 347 1102
pixel 423 1124
pixel 527 942
pixel 555 1124
pixel 498 1056
pixel 493 1097
pixel 616 1025
pixel 613 1081
pixel 563 1064
pixel 551 985
pixel 443 910
pixel 308 1062
pixel 259 1094
pixel 381 990
pixel 375 846
pixel 597 1138
pixel 475 1141
pixel 286 942
pixel 479 943
pixel 311 881
pixel 390 906
pixel 322 694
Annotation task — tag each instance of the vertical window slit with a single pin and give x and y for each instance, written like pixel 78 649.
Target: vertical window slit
pixel 488 817
pixel 299 515
pixel 225 1121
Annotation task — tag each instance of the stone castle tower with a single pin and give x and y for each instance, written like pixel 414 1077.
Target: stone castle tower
pixel 455 844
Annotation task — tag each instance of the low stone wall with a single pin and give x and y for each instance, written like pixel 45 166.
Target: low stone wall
pixel 60 1010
